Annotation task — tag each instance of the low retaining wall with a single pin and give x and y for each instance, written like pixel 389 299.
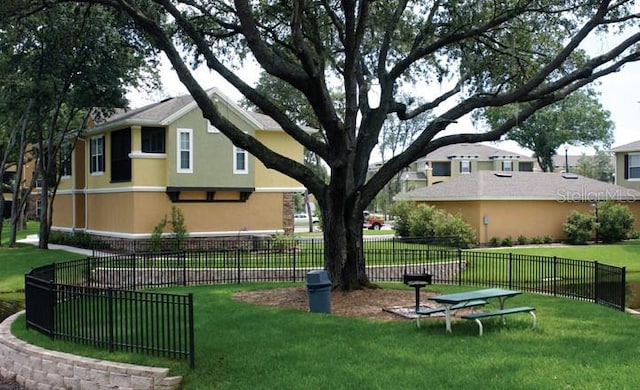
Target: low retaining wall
pixel 33 367
pixel 111 277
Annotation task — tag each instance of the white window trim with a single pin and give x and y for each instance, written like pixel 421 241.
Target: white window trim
pixel 510 163
pixel 179 150
pixel 104 162
pixel 236 151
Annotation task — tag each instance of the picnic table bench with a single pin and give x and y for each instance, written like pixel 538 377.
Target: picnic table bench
pixel 502 312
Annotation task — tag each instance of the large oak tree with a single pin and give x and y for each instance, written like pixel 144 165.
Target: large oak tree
pixel 490 52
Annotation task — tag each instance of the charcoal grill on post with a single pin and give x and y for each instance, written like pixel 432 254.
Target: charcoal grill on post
pixel 417 281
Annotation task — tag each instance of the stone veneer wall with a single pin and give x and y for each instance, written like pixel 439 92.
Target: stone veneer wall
pixel 33 367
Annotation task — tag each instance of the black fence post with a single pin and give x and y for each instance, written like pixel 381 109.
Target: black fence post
pixel 183 255
pixel 110 321
pixel 192 344
pixel 238 265
pixel 623 289
pixel 459 267
pixel 596 289
pixel 510 283
pixel 293 265
pixel 554 275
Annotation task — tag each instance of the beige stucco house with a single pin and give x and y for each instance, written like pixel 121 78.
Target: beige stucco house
pixel 532 204
pixel 129 171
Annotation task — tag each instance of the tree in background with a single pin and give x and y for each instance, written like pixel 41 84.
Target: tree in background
pixel 578 120
pixel 468 55
pixel 68 61
pixel 599 166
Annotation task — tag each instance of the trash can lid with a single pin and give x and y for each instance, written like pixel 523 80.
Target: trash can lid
pixel 318 276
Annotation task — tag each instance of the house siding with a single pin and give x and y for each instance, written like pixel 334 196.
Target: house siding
pixel 212 156
pixel 112 214
pixel 536 218
pixel 621 176
pixel 285 145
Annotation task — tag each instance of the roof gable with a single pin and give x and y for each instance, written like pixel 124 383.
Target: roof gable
pixel 169 110
pixel 630 147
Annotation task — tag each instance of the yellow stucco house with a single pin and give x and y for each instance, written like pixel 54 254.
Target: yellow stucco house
pixel 532 204
pixel 129 171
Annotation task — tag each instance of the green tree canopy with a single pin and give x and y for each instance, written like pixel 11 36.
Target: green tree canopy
pixel 578 120
pixel 68 61
pixel 469 54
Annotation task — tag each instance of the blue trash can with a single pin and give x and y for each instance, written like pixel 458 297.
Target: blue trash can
pixel 319 291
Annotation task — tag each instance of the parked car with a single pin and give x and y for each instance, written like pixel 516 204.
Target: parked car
pixel 302 219
pixel 372 221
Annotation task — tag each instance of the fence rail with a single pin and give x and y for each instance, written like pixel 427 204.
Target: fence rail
pixel 93 300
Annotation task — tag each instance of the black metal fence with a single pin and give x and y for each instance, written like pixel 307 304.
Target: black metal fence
pixel 115 319
pixel 93 300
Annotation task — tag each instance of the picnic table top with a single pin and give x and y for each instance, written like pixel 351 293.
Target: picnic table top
pixel 475 294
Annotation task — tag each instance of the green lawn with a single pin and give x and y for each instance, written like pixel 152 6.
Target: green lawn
pixel 242 346
pixel 626 254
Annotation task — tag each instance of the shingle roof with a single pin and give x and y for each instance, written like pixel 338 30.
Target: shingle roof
pixel 164 111
pixel 480 151
pixel 630 147
pixel 491 185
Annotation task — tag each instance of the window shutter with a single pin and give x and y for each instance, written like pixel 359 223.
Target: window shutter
pixel 626 166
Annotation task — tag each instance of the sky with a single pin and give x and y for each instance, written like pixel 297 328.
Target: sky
pixel 620 95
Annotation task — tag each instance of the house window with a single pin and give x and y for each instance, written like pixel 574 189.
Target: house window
pixel 96 152
pixel 240 160
pixel 153 140
pixel 465 166
pixel 120 160
pixel 441 168
pixel 185 151
pixel 65 160
pixel 525 166
pixel 634 166
pixel 507 165
pixel 38 208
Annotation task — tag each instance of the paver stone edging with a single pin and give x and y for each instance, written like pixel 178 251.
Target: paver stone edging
pixel 34 367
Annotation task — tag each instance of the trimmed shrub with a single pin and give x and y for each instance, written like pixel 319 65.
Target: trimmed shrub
pixel 547 239
pixel 455 225
pixel 537 240
pixel 522 240
pixel 615 222
pixel 413 220
pixel 401 211
pixel 579 227
pixel 422 221
pixel 495 241
pixel 507 241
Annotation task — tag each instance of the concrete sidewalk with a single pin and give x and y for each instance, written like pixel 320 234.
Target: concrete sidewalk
pixel 33 240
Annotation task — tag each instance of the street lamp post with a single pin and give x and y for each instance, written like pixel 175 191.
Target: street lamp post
pixel 566 158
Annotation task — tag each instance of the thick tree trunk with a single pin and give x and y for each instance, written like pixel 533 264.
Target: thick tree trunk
pixel 344 256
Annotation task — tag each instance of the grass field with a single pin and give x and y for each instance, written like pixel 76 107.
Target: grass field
pixel 243 346
pixel 576 345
